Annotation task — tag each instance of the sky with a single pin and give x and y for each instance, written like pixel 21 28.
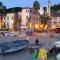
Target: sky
pixel 26 3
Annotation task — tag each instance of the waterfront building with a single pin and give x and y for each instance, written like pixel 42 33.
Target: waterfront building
pixel 1 21
pixel 25 14
pixel 9 18
pixel 55 20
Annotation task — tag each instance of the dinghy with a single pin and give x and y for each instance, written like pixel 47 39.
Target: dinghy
pixel 8 47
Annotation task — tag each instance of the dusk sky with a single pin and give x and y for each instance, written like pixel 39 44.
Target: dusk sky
pixel 26 3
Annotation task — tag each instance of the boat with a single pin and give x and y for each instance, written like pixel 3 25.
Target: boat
pixel 9 47
pixel 57 43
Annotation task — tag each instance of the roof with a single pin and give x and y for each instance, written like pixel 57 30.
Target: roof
pixel 26 8
pixel 14 9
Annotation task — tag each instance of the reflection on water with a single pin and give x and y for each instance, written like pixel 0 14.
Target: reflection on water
pixel 22 55
pixel 25 55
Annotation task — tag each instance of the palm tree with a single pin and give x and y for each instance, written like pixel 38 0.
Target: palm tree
pixel 1 3
pixel 2 8
pixel 55 8
pixel 17 23
pixel 36 5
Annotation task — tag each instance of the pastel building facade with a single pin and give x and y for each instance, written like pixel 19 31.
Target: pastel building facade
pixel 12 17
pixel 1 21
pixel 55 20
pixel 24 15
pixel 9 19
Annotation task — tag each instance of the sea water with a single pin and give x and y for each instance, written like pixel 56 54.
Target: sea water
pixel 21 55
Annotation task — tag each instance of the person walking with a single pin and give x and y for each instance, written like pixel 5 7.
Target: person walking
pixel 37 42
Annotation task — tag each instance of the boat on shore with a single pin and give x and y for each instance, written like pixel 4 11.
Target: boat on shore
pixel 9 47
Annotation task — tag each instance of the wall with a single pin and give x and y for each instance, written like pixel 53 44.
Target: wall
pixel 55 21
pixel 9 18
pixel 25 13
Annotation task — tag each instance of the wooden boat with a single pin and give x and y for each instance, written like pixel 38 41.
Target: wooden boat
pixel 8 47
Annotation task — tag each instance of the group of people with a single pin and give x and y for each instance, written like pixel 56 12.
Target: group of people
pixel 41 52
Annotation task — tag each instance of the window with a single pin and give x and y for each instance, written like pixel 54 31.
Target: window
pixel 49 21
pixel 4 18
pixel 7 18
pixel 33 18
pixel 12 18
pixel 59 22
pixel 26 17
pixel 7 24
pixel 26 11
pixel 55 17
pixel 55 22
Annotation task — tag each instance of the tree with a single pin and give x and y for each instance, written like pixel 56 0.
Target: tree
pixel 36 5
pixel 14 9
pixel 2 13
pixel 1 3
pixel 44 20
pixel 2 8
pixel 55 8
pixel 17 22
